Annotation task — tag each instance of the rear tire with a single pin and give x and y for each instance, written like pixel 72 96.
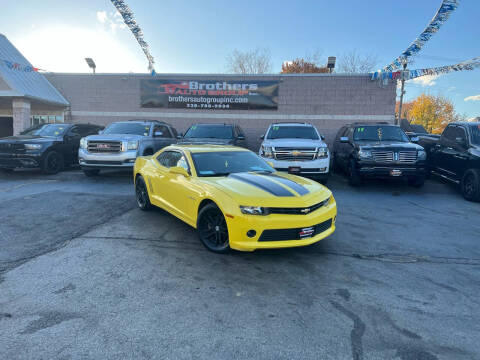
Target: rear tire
pixel 212 229
pixel 52 163
pixel 353 178
pixel 141 194
pixel 470 185
pixel 91 172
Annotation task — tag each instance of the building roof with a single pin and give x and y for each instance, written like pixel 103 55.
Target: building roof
pixel 17 77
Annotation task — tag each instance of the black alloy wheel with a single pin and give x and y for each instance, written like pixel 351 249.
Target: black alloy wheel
pixel 353 178
pixel 141 194
pixel 91 172
pixel 52 163
pixel 470 185
pixel 212 229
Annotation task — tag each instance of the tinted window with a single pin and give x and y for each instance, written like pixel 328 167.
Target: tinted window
pixel 292 132
pixel 460 133
pixel 379 133
pixel 340 133
pixel 449 133
pixel 226 162
pixel 128 128
pixel 475 134
pixel 163 129
pixel 86 130
pixel 52 130
pixel 32 130
pixel 210 132
pixel 172 158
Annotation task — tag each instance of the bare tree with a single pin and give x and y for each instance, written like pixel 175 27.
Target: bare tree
pixel 256 61
pixel 353 62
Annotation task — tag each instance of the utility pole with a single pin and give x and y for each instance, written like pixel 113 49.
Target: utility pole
pixel 398 119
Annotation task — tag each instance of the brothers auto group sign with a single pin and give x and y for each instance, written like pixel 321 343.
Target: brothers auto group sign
pixel 209 94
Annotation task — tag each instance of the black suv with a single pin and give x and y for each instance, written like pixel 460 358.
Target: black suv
pixel 455 155
pixel 380 150
pixel 50 147
pixel 222 134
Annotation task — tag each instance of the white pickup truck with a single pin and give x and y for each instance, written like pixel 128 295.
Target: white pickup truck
pixel 297 148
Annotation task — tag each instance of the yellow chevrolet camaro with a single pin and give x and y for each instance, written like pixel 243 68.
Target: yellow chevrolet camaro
pixel 234 198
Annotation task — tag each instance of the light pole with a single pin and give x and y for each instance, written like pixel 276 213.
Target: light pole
pixel 91 64
pixel 398 119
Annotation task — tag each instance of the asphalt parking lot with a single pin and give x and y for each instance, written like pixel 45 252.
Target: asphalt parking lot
pixel 85 275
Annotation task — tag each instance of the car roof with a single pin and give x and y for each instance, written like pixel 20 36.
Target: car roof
pixel 293 123
pixel 196 148
pixel 465 123
pixel 211 124
pixel 371 124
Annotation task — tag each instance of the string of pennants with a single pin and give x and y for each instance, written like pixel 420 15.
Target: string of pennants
pixel 442 15
pixel 471 64
pixel 129 20
pixel 19 67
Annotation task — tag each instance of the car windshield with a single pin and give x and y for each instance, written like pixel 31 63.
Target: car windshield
pixel 209 131
pixel 475 131
pixel 51 130
pixel 223 163
pixel 292 132
pixel 128 128
pixel 32 130
pixel 379 133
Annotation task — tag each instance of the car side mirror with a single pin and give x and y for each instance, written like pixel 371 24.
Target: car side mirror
pixel 344 139
pixel 177 170
pixel 241 137
pixel 158 134
pixel 414 139
pixel 262 137
pixel 180 135
pixel 322 137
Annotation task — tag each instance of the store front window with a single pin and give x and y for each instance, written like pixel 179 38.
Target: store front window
pixel 46 119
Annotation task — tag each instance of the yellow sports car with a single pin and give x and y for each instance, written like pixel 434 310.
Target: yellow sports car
pixel 234 198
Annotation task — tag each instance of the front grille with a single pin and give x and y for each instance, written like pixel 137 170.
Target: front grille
pixel 382 156
pixel 104 146
pixel 101 162
pixel 8 147
pixel 293 234
pixel 298 211
pixel 407 157
pixel 294 154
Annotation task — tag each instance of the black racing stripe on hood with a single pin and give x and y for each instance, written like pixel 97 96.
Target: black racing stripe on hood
pixel 262 183
pixel 290 183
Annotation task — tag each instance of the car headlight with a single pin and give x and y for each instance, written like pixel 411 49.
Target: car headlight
pixel 83 143
pixel 267 151
pixel 253 210
pixel 322 153
pixel 364 154
pixel 422 155
pixel 132 145
pixel 33 146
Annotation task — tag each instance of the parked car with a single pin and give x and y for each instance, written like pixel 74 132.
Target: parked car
pixel 120 143
pixel 221 134
pixel 455 155
pixel 297 148
pixel 32 130
pixel 233 198
pixel 51 147
pixel 378 151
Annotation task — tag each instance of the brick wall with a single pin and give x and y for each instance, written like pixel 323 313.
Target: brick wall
pixel 327 101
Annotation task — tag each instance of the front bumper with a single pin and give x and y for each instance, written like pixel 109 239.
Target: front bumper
pixel 120 160
pixel 240 225
pixel 12 161
pixel 317 168
pixel 374 170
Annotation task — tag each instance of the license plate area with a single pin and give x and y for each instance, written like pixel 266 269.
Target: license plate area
pixel 294 169
pixel 306 232
pixel 395 172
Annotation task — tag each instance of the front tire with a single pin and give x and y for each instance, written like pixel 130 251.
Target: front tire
pixel 470 185
pixel 141 194
pixel 212 229
pixel 52 163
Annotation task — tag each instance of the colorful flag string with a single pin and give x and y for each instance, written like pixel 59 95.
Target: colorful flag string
pixel 442 15
pixel 130 21
pixel 19 67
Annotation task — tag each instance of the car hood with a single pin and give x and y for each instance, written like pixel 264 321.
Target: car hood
pixel 390 145
pixel 115 137
pixel 270 190
pixel 205 141
pixel 29 139
pixel 293 143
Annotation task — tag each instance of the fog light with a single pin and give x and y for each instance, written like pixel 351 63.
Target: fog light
pixel 251 233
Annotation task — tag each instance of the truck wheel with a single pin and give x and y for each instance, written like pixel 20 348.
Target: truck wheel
pixel 52 163
pixel 417 182
pixel 470 185
pixel 353 178
pixel 91 172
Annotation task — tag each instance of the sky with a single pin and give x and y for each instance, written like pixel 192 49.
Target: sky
pixel 196 36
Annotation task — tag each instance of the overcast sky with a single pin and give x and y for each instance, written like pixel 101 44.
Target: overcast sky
pixel 195 36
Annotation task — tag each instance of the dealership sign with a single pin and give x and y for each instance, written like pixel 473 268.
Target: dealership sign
pixel 209 94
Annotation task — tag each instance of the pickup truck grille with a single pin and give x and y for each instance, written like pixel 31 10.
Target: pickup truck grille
pixel 294 154
pixel 104 146
pixel 401 157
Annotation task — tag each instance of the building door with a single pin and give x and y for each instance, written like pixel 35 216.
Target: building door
pixel 6 126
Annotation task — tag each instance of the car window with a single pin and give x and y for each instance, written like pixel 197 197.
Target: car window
pixel 475 134
pixel 240 131
pixel 449 133
pixel 292 132
pixel 340 133
pixel 132 128
pixel 379 133
pixel 52 130
pixel 87 130
pixel 210 132
pixel 74 131
pixel 161 129
pixel 170 158
pixel 460 133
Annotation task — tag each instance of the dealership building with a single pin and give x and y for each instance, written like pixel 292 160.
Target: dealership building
pixel 328 101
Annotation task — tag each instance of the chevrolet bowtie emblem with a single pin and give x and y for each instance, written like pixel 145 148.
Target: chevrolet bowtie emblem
pixel 305 211
pixel 295 153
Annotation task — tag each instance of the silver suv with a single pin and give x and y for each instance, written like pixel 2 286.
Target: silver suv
pixel 118 146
